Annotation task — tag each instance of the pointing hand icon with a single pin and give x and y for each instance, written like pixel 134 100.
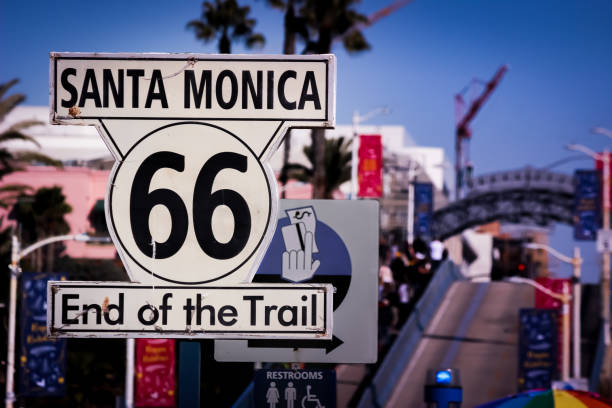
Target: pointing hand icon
pixel 298 265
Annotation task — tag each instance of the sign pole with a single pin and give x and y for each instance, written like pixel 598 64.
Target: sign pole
pixel 412 169
pixel 576 263
pixel 605 272
pixel 10 358
pixel 354 161
pixel 189 374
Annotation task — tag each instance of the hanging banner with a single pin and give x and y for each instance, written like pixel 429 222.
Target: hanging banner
pixel 155 373
pixel 423 210
pixel 587 204
pixel 599 168
pixel 543 301
pixel 42 368
pixel 537 348
pixel 370 166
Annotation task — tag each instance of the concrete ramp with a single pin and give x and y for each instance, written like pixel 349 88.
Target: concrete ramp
pixel 475 330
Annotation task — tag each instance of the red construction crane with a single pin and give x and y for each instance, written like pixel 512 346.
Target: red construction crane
pixel 463 166
pixel 376 16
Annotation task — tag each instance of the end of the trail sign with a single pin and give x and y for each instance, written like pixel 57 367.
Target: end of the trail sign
pixel 119 309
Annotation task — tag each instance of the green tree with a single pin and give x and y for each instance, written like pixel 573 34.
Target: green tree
pixel 328 21
pixel 15 161
pixel 41 215
pixel 227 21
pixel 337 165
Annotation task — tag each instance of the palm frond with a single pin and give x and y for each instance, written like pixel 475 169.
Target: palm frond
pixel 24 124
pixel 202 31
pixel 8 103
pixel 6 86
pixel 16 135
pixel 31 156
pixel 277 4
pixel 298 172
pixel 15 188
pixel 256 40
pixel 355 42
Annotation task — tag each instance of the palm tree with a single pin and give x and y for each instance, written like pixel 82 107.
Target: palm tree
pixel 15 161
pixel 294 25
pixel 337 165
pixel 41 215
pixel 328 21
pixel 226 20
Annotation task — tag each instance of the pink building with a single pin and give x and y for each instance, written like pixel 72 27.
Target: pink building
pixel 83 187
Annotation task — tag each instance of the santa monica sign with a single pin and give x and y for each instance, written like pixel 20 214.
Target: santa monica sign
pixel 192 199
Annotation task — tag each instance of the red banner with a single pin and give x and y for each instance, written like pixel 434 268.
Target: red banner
pixel 370 166
pixel 155 372
pixel 599 167
pixel 543 301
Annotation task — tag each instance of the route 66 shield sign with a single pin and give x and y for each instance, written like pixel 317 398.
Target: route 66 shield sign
pixel 191 198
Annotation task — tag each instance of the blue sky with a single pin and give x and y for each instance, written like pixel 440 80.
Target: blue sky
pixel 559 84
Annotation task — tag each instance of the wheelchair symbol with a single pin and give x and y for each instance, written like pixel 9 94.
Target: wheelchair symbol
pixel 311 398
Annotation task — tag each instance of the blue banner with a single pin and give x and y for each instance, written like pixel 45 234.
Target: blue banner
pixel 295 389
pixel 42 367
pixel 537 348
pixel 587 204
pixel 423 210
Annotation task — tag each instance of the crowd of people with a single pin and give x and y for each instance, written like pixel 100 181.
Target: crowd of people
pixel 403 277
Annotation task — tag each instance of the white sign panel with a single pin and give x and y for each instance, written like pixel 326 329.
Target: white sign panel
pixel 322 241
pixel 191 199
pixel 119 309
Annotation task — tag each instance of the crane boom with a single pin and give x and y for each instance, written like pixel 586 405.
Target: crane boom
pixel 462 126
pixel 463 167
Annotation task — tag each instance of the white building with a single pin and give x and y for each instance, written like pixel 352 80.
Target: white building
pixel 65 143
pixel 396 142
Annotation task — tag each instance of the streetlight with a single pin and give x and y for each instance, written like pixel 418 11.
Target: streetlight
pixel 565 298
pixel 576 263
pixel 15 270
pixel 605 264
pixel 357 120
pixel 602 131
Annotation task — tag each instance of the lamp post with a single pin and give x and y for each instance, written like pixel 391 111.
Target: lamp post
pixel 357 120
pixel 565 298
pixel 576 263
pixel 605 262
pixel 15 270
pixel 412 172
